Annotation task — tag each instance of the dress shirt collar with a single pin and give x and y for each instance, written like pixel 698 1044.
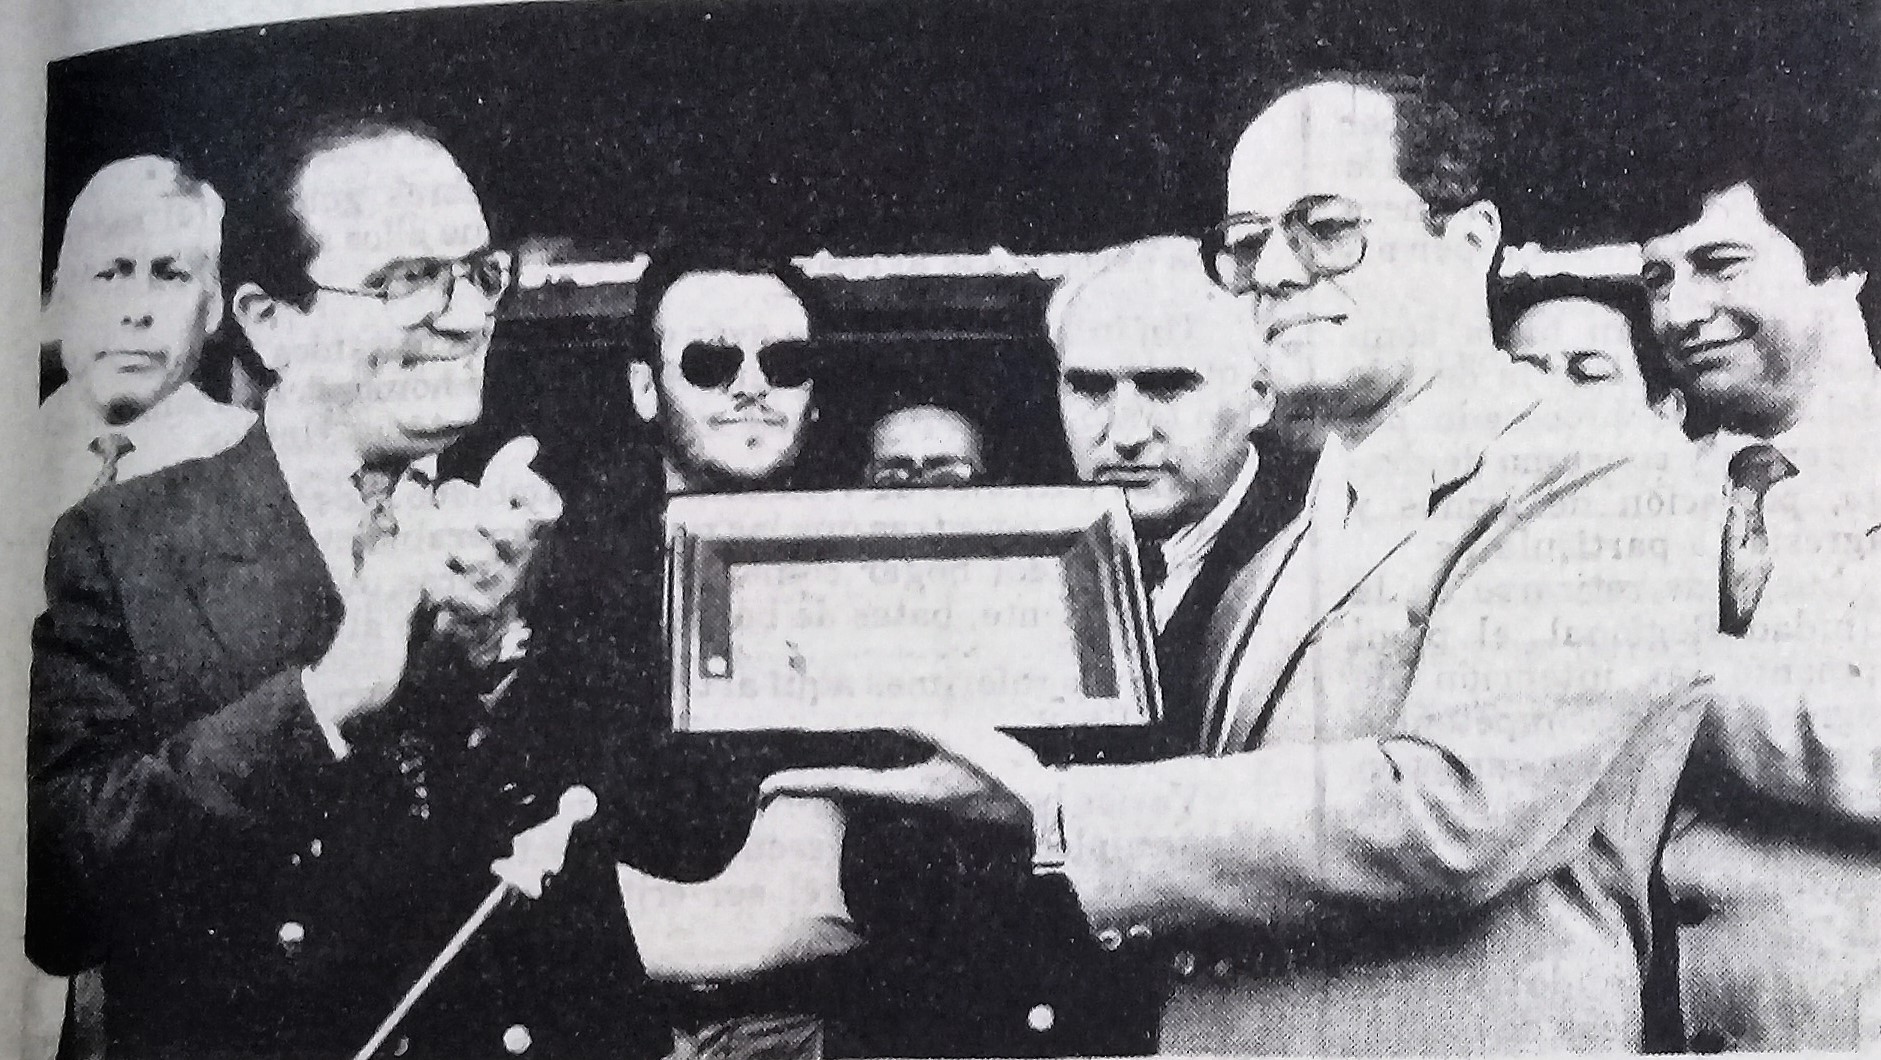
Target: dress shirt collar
pixel 319 476
pixel 1436 438
pixel 175 415
pixel 1190 544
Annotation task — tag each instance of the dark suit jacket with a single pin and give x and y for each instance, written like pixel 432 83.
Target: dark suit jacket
pixel 191 830
pixel 963 946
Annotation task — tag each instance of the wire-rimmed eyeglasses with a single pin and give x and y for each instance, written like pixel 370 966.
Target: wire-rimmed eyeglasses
pixel 420 290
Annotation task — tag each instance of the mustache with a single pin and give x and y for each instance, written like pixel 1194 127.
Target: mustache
pixel 760 414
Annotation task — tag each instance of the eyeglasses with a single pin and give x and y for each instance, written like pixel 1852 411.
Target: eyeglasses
pixel 420 290
pixel 713 365
pixel 1325 232
pixel 903 473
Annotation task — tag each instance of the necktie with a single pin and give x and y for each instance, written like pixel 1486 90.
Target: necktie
pixel 375 486
pixel 1745 559
pixel 1155 567
pixel 109 449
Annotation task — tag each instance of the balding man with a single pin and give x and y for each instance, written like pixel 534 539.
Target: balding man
pixel 1161 390
pixel 136 292
pixel 1430 788
pixel 267 772
pixel 924 445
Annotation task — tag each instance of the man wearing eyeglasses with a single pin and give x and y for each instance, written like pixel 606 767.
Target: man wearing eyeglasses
pixel 924 446
pixel 270 764
pixel 1447 703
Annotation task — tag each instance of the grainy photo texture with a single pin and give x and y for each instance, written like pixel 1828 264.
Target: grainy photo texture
pixel 771 531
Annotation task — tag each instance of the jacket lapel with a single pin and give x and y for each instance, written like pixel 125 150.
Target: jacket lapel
pixel 250 565
pixel 1450 434
pixel 1329 567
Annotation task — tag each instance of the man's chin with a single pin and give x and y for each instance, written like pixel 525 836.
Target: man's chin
pixel 123 404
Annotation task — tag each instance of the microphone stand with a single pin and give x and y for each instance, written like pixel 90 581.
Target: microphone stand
pixel 536 854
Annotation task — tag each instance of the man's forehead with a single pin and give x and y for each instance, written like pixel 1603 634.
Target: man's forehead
pixel 173 227
pixel 1330 138
pixel 389 197
pixel 1730 215
pixel 1564 322
pixel 730 307
pixel 924 430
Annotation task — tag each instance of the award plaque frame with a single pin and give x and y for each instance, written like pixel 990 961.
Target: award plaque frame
pixel 852 611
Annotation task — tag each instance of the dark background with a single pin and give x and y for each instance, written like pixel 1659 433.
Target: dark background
pixel 939 125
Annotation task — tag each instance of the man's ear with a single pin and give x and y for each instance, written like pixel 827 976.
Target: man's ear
pixel 217 310
pixel 1477 227
pixel 260 316
pixel 1260 410
pixel 641 388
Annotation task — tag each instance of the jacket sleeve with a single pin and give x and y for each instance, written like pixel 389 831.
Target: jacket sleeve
pixel 1552 672
pixel 1795 728
pixel 117 799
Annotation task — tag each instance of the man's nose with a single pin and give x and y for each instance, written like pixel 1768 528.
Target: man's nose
pixel 467 310
pixel 1683 306
pixel 1278 268
pixel 750 382
pixel 1129 428
pixel 136 300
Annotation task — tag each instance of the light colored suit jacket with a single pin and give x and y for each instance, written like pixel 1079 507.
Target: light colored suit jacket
pixel 1775 865
pixel 1441 782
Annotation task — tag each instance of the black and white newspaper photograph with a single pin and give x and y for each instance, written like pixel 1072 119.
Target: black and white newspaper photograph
pixel 801 529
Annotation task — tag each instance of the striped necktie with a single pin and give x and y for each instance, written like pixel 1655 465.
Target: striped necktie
pixel 109 448
pixel 1745 560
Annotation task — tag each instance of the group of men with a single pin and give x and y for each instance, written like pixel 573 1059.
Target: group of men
pixel 1500 716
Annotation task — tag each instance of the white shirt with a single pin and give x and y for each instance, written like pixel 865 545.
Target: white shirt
pixel 185 425
pixel 319 478
pixel 1187 549
pixel 1824 523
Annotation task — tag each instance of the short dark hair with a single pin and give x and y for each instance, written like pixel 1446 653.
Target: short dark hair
pixel 268 244
pixel 1512 298
pixel 670 264
pixel 1818 194
pixel 1443 143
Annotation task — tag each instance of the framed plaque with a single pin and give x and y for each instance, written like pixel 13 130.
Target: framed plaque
pixel 1020 608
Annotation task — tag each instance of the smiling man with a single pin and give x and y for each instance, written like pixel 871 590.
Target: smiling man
pixel 1429 791
pixel 136 292
pixel 1754 272
pixel 265 778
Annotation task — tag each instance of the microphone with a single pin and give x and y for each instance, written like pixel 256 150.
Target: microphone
pixel 536 854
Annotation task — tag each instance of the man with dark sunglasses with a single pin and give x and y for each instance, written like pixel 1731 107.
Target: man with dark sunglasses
pixel 271 757
pixel 723 368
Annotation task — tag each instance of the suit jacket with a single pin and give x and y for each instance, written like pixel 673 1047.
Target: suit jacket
pixel 1440 781
pixel 1775 863
pixel 1270 503
pixel 191 829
